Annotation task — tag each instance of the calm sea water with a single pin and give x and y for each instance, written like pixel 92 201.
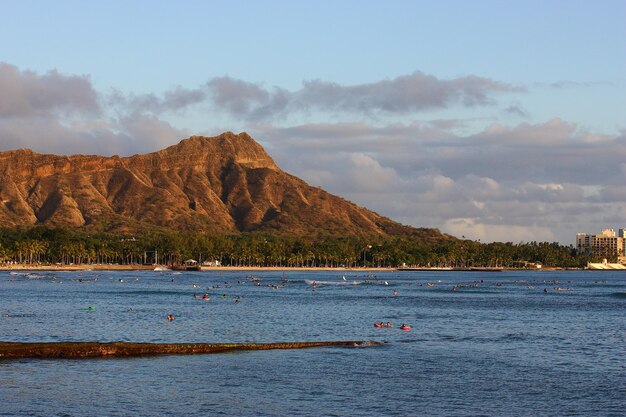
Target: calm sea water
pixel 498 345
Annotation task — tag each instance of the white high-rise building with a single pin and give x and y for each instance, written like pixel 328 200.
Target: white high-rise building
pixel 606 244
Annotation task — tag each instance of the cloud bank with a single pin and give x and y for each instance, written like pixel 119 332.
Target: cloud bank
pixel 402 95
pixel 527 181
pixel 542 181
pixel 58 113
pixel 26 94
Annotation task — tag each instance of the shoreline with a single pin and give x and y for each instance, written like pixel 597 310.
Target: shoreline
pixel 137 267
pixel 117 267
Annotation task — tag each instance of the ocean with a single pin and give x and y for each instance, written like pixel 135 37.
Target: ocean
pixel 481 343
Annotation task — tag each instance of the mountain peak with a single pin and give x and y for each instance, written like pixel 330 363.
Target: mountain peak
pixel 221 184
pixel 227 147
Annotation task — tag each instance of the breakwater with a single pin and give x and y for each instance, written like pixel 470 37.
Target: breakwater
pixel 76 350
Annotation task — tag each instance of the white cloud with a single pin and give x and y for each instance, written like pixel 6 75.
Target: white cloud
pixel 148 133
pixel 524 186
pixel 28 94
pixel 367 175
pixel 499 233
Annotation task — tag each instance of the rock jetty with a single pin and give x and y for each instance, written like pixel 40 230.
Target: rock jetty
pixel 77 350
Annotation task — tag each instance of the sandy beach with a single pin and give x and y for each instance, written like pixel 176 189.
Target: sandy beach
pixel 137 267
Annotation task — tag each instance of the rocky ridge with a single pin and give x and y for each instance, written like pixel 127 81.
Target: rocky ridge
pixel 223 184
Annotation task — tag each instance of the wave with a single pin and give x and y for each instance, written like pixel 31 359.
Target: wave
pixel 336 283
pixel 515 336
pixel 31 275
pixel 619 295
pixel 506 338
pixel 19 315
pixel 150 292
pixel 343 283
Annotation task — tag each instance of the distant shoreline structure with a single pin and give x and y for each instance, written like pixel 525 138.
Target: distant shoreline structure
pixel 161 268
pixel 475 269
pixel 605 266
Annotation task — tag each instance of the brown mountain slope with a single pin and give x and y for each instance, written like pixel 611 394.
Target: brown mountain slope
pixel 223 184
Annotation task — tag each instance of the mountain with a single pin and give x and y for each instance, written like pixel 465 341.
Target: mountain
pixel 223 184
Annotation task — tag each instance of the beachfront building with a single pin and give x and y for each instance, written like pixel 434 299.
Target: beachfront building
pixel 605 245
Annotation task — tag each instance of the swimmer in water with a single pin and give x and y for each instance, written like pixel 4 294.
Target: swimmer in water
pixel 170 317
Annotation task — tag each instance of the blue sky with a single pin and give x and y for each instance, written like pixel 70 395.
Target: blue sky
pixel 467 116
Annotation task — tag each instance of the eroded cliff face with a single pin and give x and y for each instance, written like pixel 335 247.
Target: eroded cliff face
pixel 222 184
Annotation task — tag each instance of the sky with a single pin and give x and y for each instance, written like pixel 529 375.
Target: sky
pixel 490 120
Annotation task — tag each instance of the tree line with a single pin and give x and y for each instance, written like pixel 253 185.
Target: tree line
pixel 45 245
